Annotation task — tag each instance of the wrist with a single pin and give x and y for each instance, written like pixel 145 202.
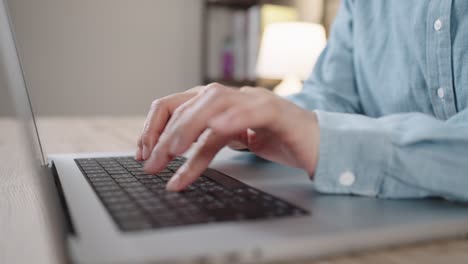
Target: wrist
pixel 306 140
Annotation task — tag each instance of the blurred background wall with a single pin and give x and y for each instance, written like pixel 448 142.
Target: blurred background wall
pixel 106 57
pixel 113 57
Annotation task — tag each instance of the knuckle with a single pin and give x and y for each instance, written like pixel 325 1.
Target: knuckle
pixel 247 89
pixel 160 103
pixel 157 103
pixel 214 84
pixel 195 89
pixel 214 89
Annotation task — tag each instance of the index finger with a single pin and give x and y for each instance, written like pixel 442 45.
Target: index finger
pixel 158 116
pixel 209 145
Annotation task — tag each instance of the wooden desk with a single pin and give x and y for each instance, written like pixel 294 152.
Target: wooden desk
pixel 25 238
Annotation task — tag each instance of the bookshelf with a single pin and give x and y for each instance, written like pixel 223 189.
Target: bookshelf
pixel 234 4
pixel 234 14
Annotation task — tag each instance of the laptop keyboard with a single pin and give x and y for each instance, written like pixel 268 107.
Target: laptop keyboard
pixel 139 201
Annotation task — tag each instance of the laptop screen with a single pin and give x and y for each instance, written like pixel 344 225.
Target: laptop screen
pixel 12 73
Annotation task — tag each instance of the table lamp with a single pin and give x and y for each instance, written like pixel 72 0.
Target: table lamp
pixel 288 52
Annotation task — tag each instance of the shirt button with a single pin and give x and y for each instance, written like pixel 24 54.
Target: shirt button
pixel 441 93
pixel 347 178
pixel 437 24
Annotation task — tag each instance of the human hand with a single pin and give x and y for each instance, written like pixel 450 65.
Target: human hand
pixel 216 116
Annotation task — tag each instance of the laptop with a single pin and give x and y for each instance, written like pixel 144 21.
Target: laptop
pixel 242 210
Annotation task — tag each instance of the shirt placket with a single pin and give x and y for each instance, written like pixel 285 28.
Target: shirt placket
pixel 439 58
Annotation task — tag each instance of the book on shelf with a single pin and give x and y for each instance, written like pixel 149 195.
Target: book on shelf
pixel 219 28
pixel 239 33
pixel 253 40
pixel 234 39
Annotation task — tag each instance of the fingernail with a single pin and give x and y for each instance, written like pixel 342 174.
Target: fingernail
pixel 174 183
pixel 145 153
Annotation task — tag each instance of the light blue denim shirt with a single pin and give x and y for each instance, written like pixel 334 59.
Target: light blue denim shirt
pixel 391 94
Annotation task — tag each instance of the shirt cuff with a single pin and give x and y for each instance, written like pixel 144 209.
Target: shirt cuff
pixel 353 154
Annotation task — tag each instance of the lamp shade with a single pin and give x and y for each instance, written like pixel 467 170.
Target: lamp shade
pixel 290 49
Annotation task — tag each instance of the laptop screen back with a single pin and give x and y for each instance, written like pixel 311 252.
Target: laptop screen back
pixel 12 72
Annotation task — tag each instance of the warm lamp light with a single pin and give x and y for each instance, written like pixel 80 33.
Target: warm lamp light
pixel 288 52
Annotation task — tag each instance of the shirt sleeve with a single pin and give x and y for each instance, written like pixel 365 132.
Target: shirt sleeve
pixel 408 155
pixel 397 156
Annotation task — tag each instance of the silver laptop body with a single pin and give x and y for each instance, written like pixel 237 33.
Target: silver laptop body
pixel 335 224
